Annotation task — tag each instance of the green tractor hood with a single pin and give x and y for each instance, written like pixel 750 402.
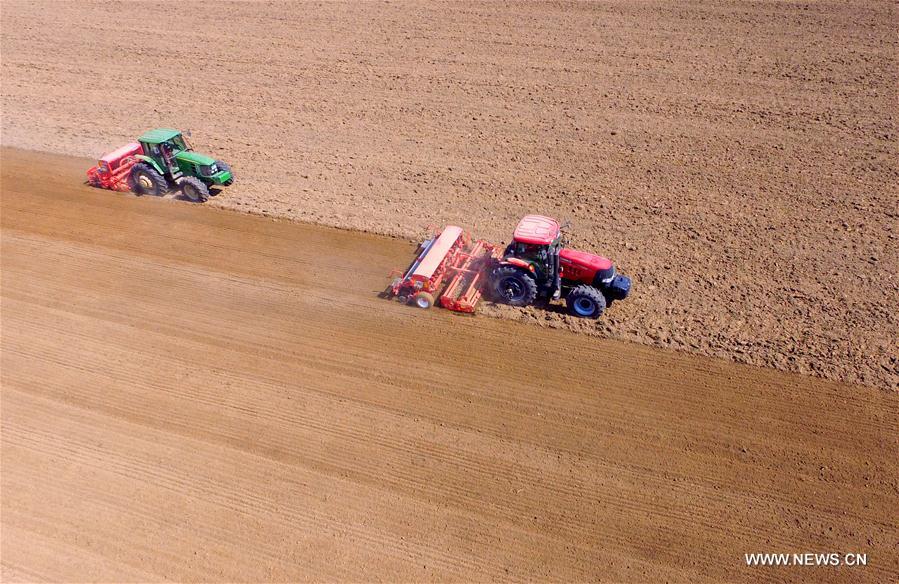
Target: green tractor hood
pixel 194 158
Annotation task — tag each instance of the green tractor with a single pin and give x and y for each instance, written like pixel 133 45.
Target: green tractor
pixel 168 161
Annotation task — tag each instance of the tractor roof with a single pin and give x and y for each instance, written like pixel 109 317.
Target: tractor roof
pixel 159 135
pixel 536 229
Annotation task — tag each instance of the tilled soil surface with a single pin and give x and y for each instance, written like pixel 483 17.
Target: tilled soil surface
pixel 738 159
pixel 196 395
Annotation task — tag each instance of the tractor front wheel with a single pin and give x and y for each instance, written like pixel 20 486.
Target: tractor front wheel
pixel 225 166
pixel 194 189
pixel 586 302
pixel 513 286
pixel 146 181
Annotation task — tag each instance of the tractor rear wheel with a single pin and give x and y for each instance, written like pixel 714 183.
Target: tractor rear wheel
pixel 513 286
pixel 146 181
pixel 194 189
pixel 423 300
pixel 586 302
pixel 225 166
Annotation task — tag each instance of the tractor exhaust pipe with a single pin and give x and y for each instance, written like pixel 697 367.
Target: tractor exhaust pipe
pixel 557 271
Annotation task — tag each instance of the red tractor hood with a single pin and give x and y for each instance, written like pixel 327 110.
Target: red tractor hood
pixel 587 261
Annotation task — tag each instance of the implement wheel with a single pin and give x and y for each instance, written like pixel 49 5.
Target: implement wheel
pixel 146 181
pixel 513 286
pixel 423 300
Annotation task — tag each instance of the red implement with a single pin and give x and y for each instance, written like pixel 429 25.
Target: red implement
pixel 450 267
pixel 113 171
pixel 467 267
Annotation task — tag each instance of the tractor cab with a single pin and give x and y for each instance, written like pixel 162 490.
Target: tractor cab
pixel 536 244
pixel 163 146
pixel 535 237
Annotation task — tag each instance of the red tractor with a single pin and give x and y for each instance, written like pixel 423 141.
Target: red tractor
pixel 536 265
pixel 454 269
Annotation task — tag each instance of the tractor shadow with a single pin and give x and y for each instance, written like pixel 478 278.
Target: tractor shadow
pixel 178 195
pixel 558 307
pixel 175 193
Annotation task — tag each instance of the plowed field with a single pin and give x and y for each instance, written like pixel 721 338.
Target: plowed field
pixel 739 159
pixel 193 394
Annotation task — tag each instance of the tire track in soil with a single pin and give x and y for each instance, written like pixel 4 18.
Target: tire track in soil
pixel 216 399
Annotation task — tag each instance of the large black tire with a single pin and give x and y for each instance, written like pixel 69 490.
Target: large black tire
pixel 225 166
pixel 586 302
pixel 513 286
pixel 146 181
pixel 194 189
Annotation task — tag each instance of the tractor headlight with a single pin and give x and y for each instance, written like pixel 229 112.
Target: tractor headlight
pixel 608 279
pixel 209 170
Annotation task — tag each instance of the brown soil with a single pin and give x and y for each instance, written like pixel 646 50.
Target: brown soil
pixel 739 160
pixel 199 395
